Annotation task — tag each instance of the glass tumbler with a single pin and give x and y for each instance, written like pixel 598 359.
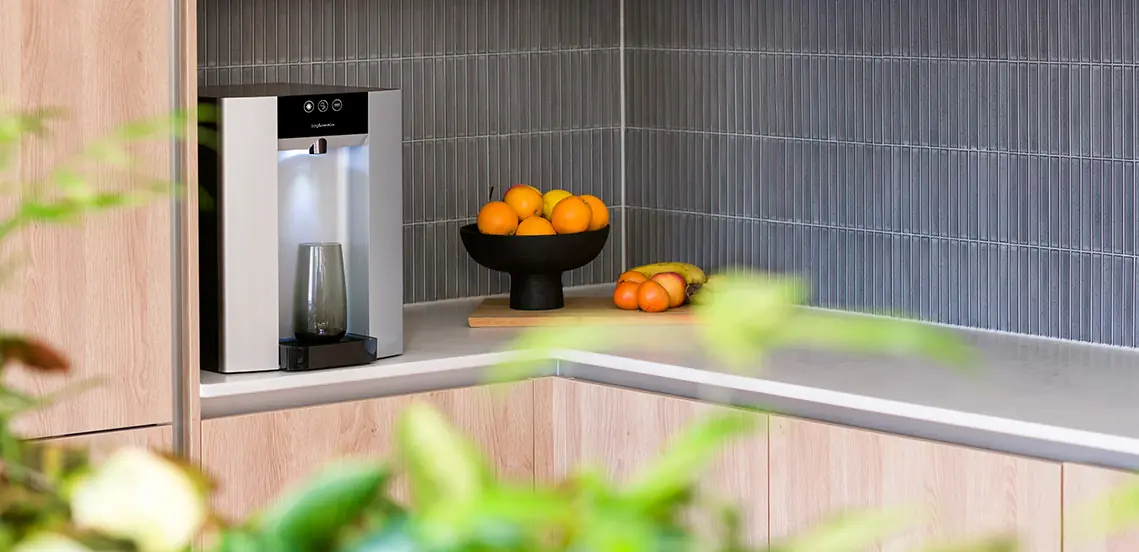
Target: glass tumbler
pixel 320 298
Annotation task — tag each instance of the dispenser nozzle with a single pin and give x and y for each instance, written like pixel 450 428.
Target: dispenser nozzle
pixel 319 147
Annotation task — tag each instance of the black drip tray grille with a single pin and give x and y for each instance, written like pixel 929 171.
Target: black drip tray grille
pixel 351 350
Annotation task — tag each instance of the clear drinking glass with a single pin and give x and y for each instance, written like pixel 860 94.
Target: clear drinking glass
pixel 320 297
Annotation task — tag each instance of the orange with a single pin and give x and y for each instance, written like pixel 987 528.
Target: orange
pixel 535 226
pixel 497 218
pixel 625 296
pixel 523 186
pixel 631 276
pixel 525 201
pixel 600 217
pixel 651 297
pixel 571 215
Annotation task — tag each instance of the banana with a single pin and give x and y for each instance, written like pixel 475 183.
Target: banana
pixel 692 274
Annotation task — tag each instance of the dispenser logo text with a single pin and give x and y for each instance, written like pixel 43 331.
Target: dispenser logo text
pixel 322 125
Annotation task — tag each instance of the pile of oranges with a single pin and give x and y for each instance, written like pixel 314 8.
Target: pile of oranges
pixel 656 294
pixel 526 211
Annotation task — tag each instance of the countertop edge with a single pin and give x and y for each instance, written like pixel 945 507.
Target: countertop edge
pixel 959 427
pixel 1063 444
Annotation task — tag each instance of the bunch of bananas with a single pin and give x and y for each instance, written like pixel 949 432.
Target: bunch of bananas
pixel 693 275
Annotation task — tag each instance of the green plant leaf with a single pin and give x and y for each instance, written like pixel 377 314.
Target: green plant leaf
pixel 110 153
pixel 676 471
pixel 853 532
pixel 1113 512
pixel 608 532
pixel 534 347
pixel 13 402
pixel 441 463
pixel 15 127
pixel 311 516
pixel 874 335
pixel 502 518
pixel 740 313
pixel 37 211
pixel 394 536
pixel 74 186
pixel 986 544
pixel 247 540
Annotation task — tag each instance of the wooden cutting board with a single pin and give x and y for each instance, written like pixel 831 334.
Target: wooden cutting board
pixel 496 313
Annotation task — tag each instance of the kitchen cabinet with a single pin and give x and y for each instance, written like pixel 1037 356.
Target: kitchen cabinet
pixel 622 431
pixel 101 445
pixel 254 457
pixel 818 470
pixel 1084 487
pixel 101 290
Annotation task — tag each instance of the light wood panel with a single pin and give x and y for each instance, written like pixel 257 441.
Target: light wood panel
pixel 189 411
pixel 100 290
pixel 818 470
pixel 101 445
pixel 1084 488
pixel 254 457
pixel 622 431
pixel 496 313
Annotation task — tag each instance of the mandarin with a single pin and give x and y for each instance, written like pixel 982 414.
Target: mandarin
pixel 571 215
pixel 632 276
pixel 625 296
pixel 600 218
pixel 535 226
pixel 550 199
pixel 525 201
pixel 497 218
pixel 652 297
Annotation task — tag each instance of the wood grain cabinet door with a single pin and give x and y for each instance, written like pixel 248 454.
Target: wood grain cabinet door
pixel 99 290
pixel 819 470
pixel 254 457
pixel 1085 488
pixel 622 431
pixel 102 445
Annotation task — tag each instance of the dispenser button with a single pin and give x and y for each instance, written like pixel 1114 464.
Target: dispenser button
pixel 308 106
pixel 337 104
pixel 322 106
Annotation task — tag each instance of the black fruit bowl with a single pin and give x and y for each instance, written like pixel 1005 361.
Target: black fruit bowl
pixel 535 263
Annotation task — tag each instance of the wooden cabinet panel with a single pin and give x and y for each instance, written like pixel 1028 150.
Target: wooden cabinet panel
pixel 100 290
pixel 101 445
pixel 819 470
pixel 622 431
pixel 253 457
pixel 1084 486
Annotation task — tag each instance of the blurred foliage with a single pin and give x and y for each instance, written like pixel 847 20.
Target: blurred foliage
pixel 54 498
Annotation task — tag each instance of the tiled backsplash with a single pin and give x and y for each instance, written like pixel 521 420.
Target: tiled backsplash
pixel 972 163
pixel 496 92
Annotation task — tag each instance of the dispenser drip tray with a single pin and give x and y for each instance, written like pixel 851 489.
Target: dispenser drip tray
pixel 351 350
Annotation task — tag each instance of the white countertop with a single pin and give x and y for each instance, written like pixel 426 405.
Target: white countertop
pixel 1033 396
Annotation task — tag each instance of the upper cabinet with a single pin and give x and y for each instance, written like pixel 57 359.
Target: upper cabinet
pixel 820 470
pixel 99 290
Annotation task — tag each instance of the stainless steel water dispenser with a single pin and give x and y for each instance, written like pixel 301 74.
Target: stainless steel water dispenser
pixel 297 169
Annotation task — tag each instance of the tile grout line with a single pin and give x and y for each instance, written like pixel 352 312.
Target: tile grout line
pixel 624 99
pixel 876 231
pixel 426 57
pixel 885 144
pixel 507 134
pixel 889 57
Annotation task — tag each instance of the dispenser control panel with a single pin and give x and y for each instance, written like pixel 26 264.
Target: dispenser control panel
pixel 323 115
